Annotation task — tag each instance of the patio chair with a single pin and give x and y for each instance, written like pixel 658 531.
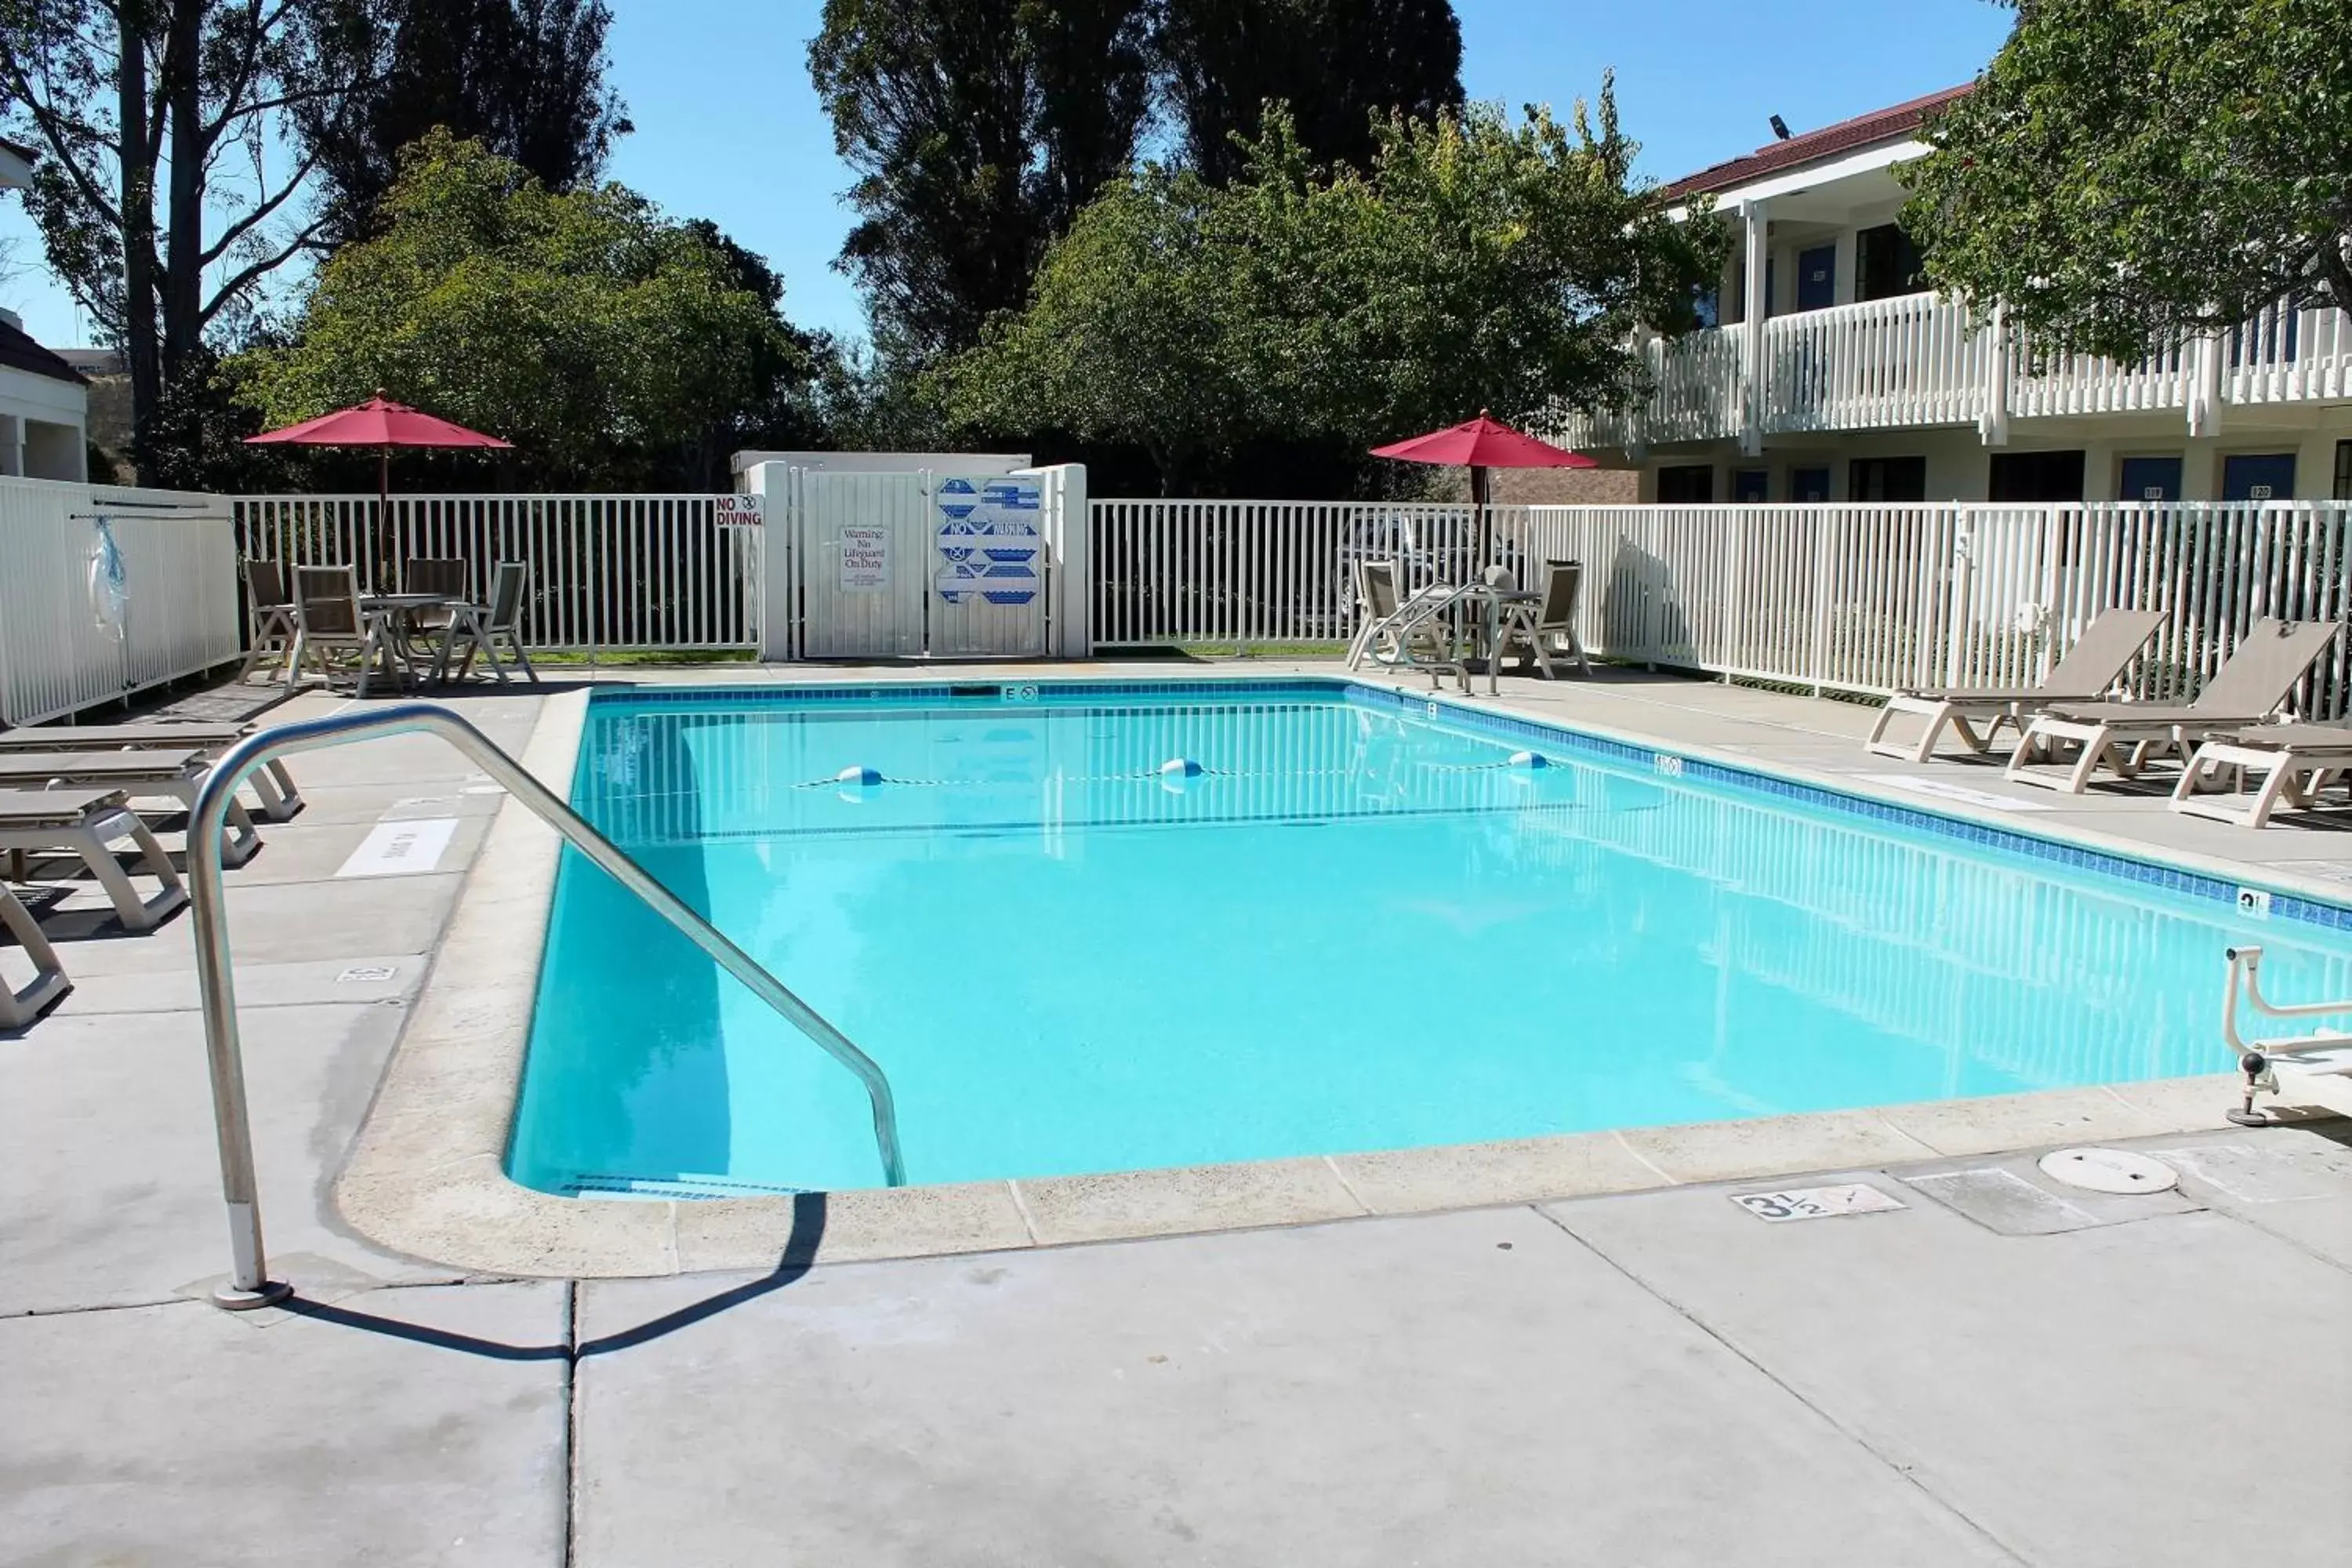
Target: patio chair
pixel 270 619
pixel 2125 736
pixel 2088 672
pixel 326 610
pixel 173 776
pixel 279 799
pixel 1531 628
pixel 2294 761
pixel 1404 633
pixel 83 822
pixel 480 626
pixel 19 1006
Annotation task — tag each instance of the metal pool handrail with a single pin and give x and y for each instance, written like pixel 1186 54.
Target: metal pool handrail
pixel 249 1284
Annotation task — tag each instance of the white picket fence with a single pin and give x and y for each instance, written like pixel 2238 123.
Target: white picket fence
pixel 608 571
pixel 66 642
pixel 1865 598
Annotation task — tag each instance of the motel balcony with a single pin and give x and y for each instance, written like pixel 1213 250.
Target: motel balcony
pixel 1918 361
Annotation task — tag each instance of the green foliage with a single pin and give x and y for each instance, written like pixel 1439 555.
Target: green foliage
pixel 2128 171
pixel 978 128
pixel 165 195
pixel 1481 263
pixel 525 78
pixel 1339 67
pixel 607 343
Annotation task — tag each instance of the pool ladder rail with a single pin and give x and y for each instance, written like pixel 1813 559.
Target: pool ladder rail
pixel 249 1284
pixel 2324 1054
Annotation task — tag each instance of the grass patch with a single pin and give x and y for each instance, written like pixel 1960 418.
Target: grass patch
pixel 618 658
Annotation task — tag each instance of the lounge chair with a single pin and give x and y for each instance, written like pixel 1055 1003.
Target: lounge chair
pixel 83 822
pixel 2123 736
pixel 2088 672
pixel 1530 629
pixel 279 799
pixel 172 775
pixel 2294 762
pixel 19 1006
pixel 1405 633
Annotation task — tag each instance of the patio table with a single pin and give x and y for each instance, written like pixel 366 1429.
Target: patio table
pixel 395 608
pixel 1497 607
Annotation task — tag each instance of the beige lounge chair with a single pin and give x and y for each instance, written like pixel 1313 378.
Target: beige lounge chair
pixel 2294 762
pixel 172 775
pixel 2088 672
pixel 83 822
pixel 1404 633
pixel 2125 736
pixel 1531 628
pixel 279 799
pixel 19 1006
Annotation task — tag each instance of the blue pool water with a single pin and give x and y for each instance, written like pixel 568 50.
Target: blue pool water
pixel 1361 926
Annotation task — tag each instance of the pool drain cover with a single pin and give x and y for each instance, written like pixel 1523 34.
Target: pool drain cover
pixel 2109 1171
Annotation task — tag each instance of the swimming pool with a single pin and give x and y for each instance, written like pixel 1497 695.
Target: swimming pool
pixel 1357 921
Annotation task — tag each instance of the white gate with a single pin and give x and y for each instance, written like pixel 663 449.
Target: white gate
pixel 881 565
pixel 988 563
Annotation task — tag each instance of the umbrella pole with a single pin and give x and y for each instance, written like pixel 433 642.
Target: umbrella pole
pixel 1478 527
pixel 382 517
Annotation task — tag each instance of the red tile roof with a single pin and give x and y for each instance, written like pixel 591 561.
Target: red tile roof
pixel 1894 124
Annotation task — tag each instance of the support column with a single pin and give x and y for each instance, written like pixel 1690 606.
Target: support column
pixel 2205 388
pixel 1755 306
pixel 1993 425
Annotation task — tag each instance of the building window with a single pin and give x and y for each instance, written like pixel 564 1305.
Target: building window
pixel 1751 486
pixel 1887 479
pixel 2036 477
pixel 1886 263
pixel 2344 470
pixel 1686 485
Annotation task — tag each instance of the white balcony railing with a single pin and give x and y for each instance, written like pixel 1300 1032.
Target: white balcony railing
pixel 1921 360
pixel 1915 360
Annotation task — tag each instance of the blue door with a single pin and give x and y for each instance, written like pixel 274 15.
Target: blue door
pixel 2258 475
pixel 1808 484
pixel 1817 278
pixel 1751 486
pixel 2149 478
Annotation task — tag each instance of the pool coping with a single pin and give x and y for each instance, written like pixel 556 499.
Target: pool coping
pixel 426 1172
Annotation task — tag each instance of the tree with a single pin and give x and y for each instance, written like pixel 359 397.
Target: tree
pixel 2131 171
pixel 978 130
pixel 525 78
pixel 1480 263
pixel 1339 65
pixel 612 346
pixel 164 194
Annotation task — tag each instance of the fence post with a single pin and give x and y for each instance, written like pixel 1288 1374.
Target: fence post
pixel 1817 655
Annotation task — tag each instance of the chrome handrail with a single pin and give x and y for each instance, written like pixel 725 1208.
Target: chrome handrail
pixel 249 1284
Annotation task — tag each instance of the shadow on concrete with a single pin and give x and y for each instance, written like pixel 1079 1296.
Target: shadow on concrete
pixel 799 1256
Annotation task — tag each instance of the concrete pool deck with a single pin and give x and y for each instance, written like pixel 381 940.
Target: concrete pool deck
pixel 1646 1378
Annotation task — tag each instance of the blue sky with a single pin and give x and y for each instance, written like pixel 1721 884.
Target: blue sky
pixel 729 129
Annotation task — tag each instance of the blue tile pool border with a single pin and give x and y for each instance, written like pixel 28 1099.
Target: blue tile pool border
pixel 2284 905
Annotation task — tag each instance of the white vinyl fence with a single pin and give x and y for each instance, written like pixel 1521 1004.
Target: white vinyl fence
pixel 1855 597
pixel 75 632
pixel 607 571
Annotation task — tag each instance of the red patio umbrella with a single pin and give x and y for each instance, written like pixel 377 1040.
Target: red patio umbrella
pixel 1479 445
pixel 383 425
